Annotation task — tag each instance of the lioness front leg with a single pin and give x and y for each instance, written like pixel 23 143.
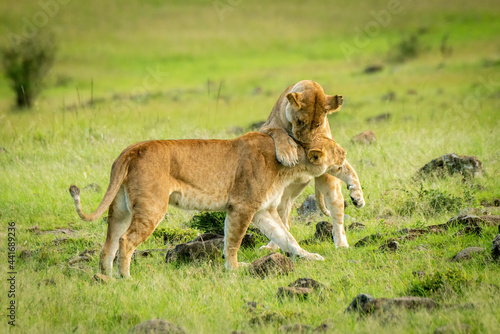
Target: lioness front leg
pixel 235 226
pixel 270 224
pixel 286 147
pixel 334 201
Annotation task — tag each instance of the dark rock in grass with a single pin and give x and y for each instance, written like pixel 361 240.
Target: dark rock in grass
pixel 366 137
pixel 467 253
pixel 492 220
pixel 323 328
pixel 196 251
pixel 492 202
pixel 324 231
pixel 452 163
pixel 59 241
pixel 369 239
pixel 256 126
pixel 266 318
pixel 88 252
pixel 157 326
pixel 206 237
pixel 100 278
pixel 378 305
pixel 308 207
pixel 25 254
pixel 77 259
pixel 299 293
pixel 467 220
pixel 419 274
pixel 147 252
pixel 296 328
pixel 253 307
pixel 34 229
pixel 471 230
pixel 373 68
pixel 378 118
pixel 238 332
pixel 495 249
pixel 359 302
pixel 272 264
pixel 307 283
pixel 248 241
pixel 356 227
pixel 47 282
pixel 453 328
pixel 93 187
pixel 390 245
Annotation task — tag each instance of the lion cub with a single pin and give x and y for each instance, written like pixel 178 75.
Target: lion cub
pixel 239 176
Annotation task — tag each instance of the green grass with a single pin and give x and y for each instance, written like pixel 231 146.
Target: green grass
pixel 108 52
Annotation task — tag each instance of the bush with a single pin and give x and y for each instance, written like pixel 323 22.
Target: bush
pixel 26 65
pixel 209 222
pixel 173 235
pixel 451 280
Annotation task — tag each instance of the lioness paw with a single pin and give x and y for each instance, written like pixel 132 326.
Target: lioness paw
pixel 286 153
pixel 271 246
pixel 313 257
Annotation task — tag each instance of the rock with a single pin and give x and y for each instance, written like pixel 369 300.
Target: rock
pixel 267 317
pixel 390 96
pixel 378 118
pixel 206 237
pixel 492 202
pixel 238 332
pixel 471 230
pixel 299 293
pixel 157 326
pixel 359 302
pixel 453 163
pixel 100 278
pixel 272 264
pixel 34 229
pixel 25 254
pixel 253 307
pixel 373 68
pixel 491 220
pixel 356 227
pixel 76 259
pixel 324 231
pixel 93 187
pixel 87 252
pixel 419 274
pixel 378 305
pixel 366 137
pixel 309 207
pixel 323 328
pixel 297 328
pixel 248 241
pixel 59 241
pixel 256 126
pixel 196 251
pixel 452 328
pixel 467 253
pixel 307 283
pixel 467 220
pixel 390 245
pixel 47 282
pixel 495 249
pixel 147 252
pixel 369 239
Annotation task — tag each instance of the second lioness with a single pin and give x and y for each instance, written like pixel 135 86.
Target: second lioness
pixel 239 176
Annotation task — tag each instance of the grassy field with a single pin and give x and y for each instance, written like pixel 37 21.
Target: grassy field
pixel 140 70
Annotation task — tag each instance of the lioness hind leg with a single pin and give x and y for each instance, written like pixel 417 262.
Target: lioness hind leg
pixel 119 218
pixel 140 229
pixel 235 226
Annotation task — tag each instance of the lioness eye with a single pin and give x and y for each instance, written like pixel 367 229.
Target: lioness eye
pixel 300 123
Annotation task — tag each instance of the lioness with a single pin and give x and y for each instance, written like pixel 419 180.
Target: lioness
pixel 239 176
pixel 300 114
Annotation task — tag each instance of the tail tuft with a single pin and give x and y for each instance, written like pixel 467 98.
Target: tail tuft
pixel 74 191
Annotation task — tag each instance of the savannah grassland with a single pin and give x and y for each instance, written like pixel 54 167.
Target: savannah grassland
pixel 138 70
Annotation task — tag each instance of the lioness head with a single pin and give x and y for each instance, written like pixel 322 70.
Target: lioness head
pixel 326 152
pixel 307 109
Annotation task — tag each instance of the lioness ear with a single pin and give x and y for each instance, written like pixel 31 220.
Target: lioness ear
pixel 316 156
pixel 333 103
pixel 294 99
